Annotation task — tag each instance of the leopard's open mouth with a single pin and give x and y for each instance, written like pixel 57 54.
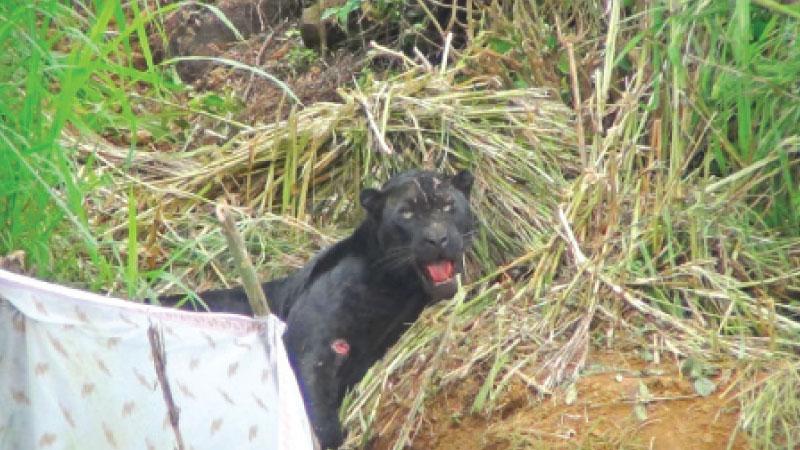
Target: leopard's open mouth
pixel 440 272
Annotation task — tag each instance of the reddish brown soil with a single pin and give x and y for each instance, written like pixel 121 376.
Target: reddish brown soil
pixel 601 417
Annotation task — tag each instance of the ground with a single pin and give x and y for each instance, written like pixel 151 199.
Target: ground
pixel 600 416
pixel 273 46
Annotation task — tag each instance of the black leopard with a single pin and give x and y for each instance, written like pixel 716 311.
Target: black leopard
pixel 353 300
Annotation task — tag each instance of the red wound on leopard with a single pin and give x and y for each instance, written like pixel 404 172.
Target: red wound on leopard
pixel 340 347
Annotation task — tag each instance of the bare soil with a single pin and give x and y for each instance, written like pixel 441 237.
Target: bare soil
pixel 601 416
pixel 311 77
pixel 271 42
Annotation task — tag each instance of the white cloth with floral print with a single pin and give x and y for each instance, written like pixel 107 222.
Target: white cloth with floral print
pixel 77 371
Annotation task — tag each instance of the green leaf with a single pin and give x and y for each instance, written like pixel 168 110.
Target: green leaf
pixel 237 65
pixel 483 394
pixel 563 63
pixel 704 387
pixel 213 102
pixel 342 12
pixel 328 13
pixel 519 83
pixel 552 41
pixel 501 46
pixel 693 368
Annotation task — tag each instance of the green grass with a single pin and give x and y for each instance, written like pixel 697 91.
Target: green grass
pixel 737 74
pixel 67 72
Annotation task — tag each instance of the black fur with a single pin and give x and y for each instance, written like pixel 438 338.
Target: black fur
pixel 366 289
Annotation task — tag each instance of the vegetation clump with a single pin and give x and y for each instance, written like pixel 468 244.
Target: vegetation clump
pixel 636 188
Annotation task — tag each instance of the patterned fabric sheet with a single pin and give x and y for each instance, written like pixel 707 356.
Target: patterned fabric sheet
pixel 77 372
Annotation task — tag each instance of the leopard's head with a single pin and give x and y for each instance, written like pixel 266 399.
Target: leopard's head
pixel 423 225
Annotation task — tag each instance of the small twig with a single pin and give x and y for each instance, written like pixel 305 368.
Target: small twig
pixel 453 12
pixel 532 383
pixel 384 146
pixel 260 55
pixel 387 51
pixel 448 41
pixel 160 363
pixel 262 24
pixel 569 44
pixel 634 401
pixel 431 16
pixel 255 295
pixel 577 253
pixel 540 434
pixel 427 64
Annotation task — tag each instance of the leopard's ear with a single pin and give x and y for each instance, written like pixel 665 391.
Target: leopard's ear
pixel 463 182
pixel 372 200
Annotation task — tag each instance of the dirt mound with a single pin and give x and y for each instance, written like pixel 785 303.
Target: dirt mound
pixel 263 36
pixel 279 52
pixel 598 412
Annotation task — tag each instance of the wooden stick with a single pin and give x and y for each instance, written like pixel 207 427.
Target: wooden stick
pixel 252 288
pixel 569 44
pixel 255 295
pixel 160 363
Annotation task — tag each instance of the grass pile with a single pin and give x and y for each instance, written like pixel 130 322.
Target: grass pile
pixel 655 250
pixel 322 156
pixel 677 232
pixel 658 210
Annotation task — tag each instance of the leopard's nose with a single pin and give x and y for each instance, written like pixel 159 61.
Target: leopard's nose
pixel 436 235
